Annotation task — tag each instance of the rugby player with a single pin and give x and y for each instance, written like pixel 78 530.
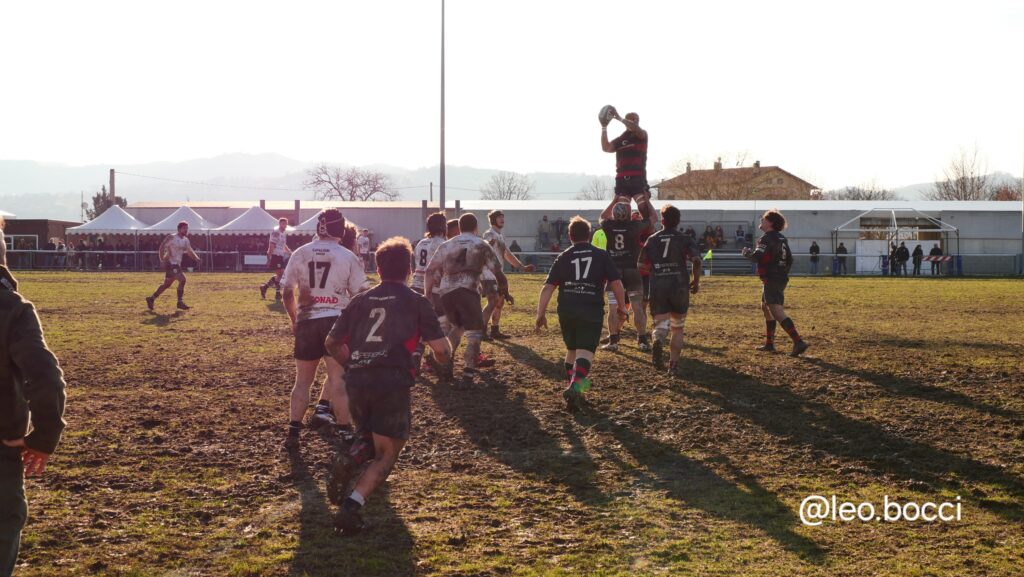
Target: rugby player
pixel 495 301
pixel 580 274
pixel 623 236
pixel 421 255
pixel 172 249
pixel 457 267
pixel 630 150
pixel 374 339
pixel 277 252
pixel 452 229
pixel 774 259
pixel 664 257
pixel 326 275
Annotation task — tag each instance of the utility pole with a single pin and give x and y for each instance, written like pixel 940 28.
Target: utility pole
pixel 431 192
pixel 113 198
pixel 442 106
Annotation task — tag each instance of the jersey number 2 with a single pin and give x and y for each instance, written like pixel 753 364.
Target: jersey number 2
pixel 379 314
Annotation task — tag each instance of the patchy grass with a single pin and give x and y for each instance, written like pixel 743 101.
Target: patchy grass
pixel 171 464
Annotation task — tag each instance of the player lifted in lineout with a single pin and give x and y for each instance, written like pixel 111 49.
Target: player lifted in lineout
pixel 171 251
pixel 457 267
pixel 623 238
pixel 580 274
pixel 326 276
pixel 630 150
pixel 774 259
pixel 277 252
pixel 495 301
pixel 665 256
pixel 375 338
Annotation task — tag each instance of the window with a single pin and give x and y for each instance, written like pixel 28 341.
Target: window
pixel 778 181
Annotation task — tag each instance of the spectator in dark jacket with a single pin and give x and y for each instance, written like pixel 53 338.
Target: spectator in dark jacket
pixel 936 267
pixel 815 250
pixel 31 383
pixel 902 256
pixel 893 269
pixel 917 255
pixel 841 251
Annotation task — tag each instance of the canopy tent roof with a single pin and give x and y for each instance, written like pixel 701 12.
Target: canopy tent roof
pixel 890 212
pixel 184 213
pixel 114 220
pixel 308 226
pixel 253 221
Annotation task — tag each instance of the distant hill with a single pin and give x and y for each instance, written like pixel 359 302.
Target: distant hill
pixel 39 190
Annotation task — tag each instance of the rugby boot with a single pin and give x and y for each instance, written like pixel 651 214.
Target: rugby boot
pixel 658 355
pixel 263 291
pixel 675 370
pixel 766 348
pixel 798 348
pixel 322 418
pixel 277 296
pixel 149 302
pixel 643 346
pixel 497 334
pixel 183 306
pixel 611 346
pixel 348 521
pixel 573 399
pixel 483 361
pixel 341 474
pixel 347 434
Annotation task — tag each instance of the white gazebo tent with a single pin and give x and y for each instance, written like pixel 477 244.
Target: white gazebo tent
pixel 114 220
pixel 252 221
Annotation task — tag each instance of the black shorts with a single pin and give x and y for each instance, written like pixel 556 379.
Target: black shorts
pixel 380 401
pixel 310 336
pixel 462 307
pixel 773 292
pixel 489 288
pixel 632 282
pixel 276 263
pixel 631 186
pixel 581 329
pixel 172 270
pixel 670 295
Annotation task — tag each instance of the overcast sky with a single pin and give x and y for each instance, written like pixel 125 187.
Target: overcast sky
pixel 837 93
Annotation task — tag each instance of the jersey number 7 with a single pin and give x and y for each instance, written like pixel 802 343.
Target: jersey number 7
pixel 323 276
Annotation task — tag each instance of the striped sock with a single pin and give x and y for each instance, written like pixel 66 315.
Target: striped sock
pixel 787 325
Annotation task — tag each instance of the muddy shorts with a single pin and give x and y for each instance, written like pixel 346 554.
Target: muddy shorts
pixel 462 307
pixel 489 288
pixel 632 282
pixel 581 329
pixel 773 292
pixel 172 270
pixel 380 401
pixel 669 296
pixel 310 336
pixel 276 263
pixel 631 186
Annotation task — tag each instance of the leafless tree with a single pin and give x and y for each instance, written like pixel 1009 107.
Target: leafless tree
pixel 964 179
pixel 1008 190
pixel 596 189
pixel 867 192
pixel 349 184
pixel 508 186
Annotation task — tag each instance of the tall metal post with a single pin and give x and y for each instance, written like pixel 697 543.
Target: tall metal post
pixel 442 107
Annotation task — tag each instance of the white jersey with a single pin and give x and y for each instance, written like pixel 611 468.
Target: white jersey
pixel 461 261
pixel 424 251
pixel 497 242
pixel 176 248
pixel 363 245
pixel 327 275
pixel 278 242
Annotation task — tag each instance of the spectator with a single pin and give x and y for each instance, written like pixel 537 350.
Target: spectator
pixel 719 236
pixel 815 250
pixel 62 257
pixel 363 247
pixel 741 236
pixel 544 232
pixel 514 247
pixel 893 249
pixel 841 250
pixel 936 267
pixel 51 245
pixel 709 237
pixel 560 228
pixel 918 255
pixel 691 233
pixel 902 256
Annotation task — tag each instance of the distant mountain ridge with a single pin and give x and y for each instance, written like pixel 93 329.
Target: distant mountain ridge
pixel 32 189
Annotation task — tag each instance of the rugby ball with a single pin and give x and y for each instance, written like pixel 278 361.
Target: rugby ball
pixel 606 114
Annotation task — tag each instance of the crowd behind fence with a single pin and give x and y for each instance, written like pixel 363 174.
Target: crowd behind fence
pixel 729 263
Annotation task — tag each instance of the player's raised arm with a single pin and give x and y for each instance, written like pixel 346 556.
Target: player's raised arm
pixel 607 212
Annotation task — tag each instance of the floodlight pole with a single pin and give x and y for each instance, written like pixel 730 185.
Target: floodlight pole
pixel 441 189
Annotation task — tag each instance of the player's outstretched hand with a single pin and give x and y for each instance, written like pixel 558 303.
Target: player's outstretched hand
pixel 542 322
pixel 509 299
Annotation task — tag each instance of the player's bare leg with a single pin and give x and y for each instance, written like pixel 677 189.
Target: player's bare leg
pixel 493 313
pixel 305 373
pixel 660 337
pixel 636 301
pixel 454 337
pixel 181 292
pixel 159 290
pixel 348 521
pixel 614 325
pixel 472 353
pixel 678 326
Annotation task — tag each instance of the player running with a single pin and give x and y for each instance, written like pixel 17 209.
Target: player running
pixel 277 253
pixel 421 256
pixel 456 267
pixel 580 274
pixel 774 259
pixel 664 256
pixel 623 236
pixel 374 338
pixel 326 275
pixel 495 301
pixel 171 251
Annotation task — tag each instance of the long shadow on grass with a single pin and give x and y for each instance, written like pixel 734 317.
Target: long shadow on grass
pixel 911 388
pixel 684 479
pixel 162 320
pixel 530 357
pixel 803 422
pixel 498 421
pixel 385 549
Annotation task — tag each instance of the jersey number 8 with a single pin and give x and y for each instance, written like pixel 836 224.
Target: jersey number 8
pixel 620 242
